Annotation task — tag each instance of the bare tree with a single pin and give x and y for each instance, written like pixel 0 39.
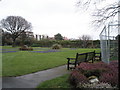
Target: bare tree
pixel 16 25
pixel 6 38
pixel 1 34
pixel 101 14
pixel 85 40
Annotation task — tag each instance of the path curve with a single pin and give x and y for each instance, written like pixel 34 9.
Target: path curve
pixel 34 79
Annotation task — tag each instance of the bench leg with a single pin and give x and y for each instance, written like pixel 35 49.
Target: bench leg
pixel 75 65
pixel 68 66
pixel 92 61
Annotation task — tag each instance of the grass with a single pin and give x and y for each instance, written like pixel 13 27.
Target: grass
pixel 8 47
pixel 59 82
pixel 25 62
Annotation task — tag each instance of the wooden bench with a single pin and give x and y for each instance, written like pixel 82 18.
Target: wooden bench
pixel 83 57
pixel 90 56
pixel 98 56
pixel 74 61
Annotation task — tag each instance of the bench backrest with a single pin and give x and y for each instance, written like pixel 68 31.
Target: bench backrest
pixel 90 56
pixel 81 57
pixel 84 57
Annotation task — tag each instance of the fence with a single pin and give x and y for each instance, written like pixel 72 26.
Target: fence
pixel 109 40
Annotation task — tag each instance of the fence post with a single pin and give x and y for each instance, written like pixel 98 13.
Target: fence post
pixel 118 56
pixel 118 48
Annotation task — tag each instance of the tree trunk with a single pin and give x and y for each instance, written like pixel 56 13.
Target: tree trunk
pixel 13 44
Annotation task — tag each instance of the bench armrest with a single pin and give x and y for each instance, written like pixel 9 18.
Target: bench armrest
pixel 71 58
pixel 97 53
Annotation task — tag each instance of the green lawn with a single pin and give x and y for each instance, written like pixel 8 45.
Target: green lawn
pixel 25 62
pixel 8 47
pixel 59 82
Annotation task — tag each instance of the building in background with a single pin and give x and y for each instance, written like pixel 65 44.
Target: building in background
pixel 30 34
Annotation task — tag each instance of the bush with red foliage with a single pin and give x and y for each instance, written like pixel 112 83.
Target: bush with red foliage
pixel 92 66
pixel 109 77
pixel 77 77
pixel 107 73
pixel 113 66
pixel 95 69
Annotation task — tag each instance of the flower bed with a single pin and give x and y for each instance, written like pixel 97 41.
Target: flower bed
pixel 46 51
pixel 106 73
pixel 26 49
pixel 8 51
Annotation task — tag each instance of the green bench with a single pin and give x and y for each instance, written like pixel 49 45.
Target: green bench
pixel 82 57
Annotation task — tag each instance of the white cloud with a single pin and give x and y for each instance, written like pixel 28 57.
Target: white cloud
pixel 49 16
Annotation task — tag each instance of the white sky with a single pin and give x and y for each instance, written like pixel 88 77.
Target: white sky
pixel 50 17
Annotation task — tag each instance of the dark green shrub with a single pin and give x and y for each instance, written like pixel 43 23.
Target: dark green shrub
pixel 56 46
pixel 35 45
pixel 96 72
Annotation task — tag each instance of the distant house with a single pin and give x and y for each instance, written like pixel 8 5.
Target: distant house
pixel 29 34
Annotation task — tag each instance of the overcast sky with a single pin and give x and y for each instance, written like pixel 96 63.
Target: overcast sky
pixel 50 17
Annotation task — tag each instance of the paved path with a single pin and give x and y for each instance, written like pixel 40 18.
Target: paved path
pixel 32 80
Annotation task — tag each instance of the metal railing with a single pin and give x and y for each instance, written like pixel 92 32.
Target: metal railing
pixel 109 42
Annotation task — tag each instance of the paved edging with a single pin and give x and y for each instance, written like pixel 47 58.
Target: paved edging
pixel 34 79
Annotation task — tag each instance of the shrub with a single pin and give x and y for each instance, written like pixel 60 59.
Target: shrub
pixel 25 48
pixel 35 45
pixel 95 72
pixel 77 77
pixel 109 77
pixel 92 66
pixel 56 46
pixel 107 73
pixel 92 69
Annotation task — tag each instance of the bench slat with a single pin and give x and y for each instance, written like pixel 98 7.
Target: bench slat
pixel 82 57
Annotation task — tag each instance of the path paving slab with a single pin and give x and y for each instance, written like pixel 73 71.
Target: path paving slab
pixel 34 79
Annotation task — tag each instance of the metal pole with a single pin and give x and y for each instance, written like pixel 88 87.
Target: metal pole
pixel 119 32
pixel 118 56
pixel 118 39
pixel 108 44
pixel 118 47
